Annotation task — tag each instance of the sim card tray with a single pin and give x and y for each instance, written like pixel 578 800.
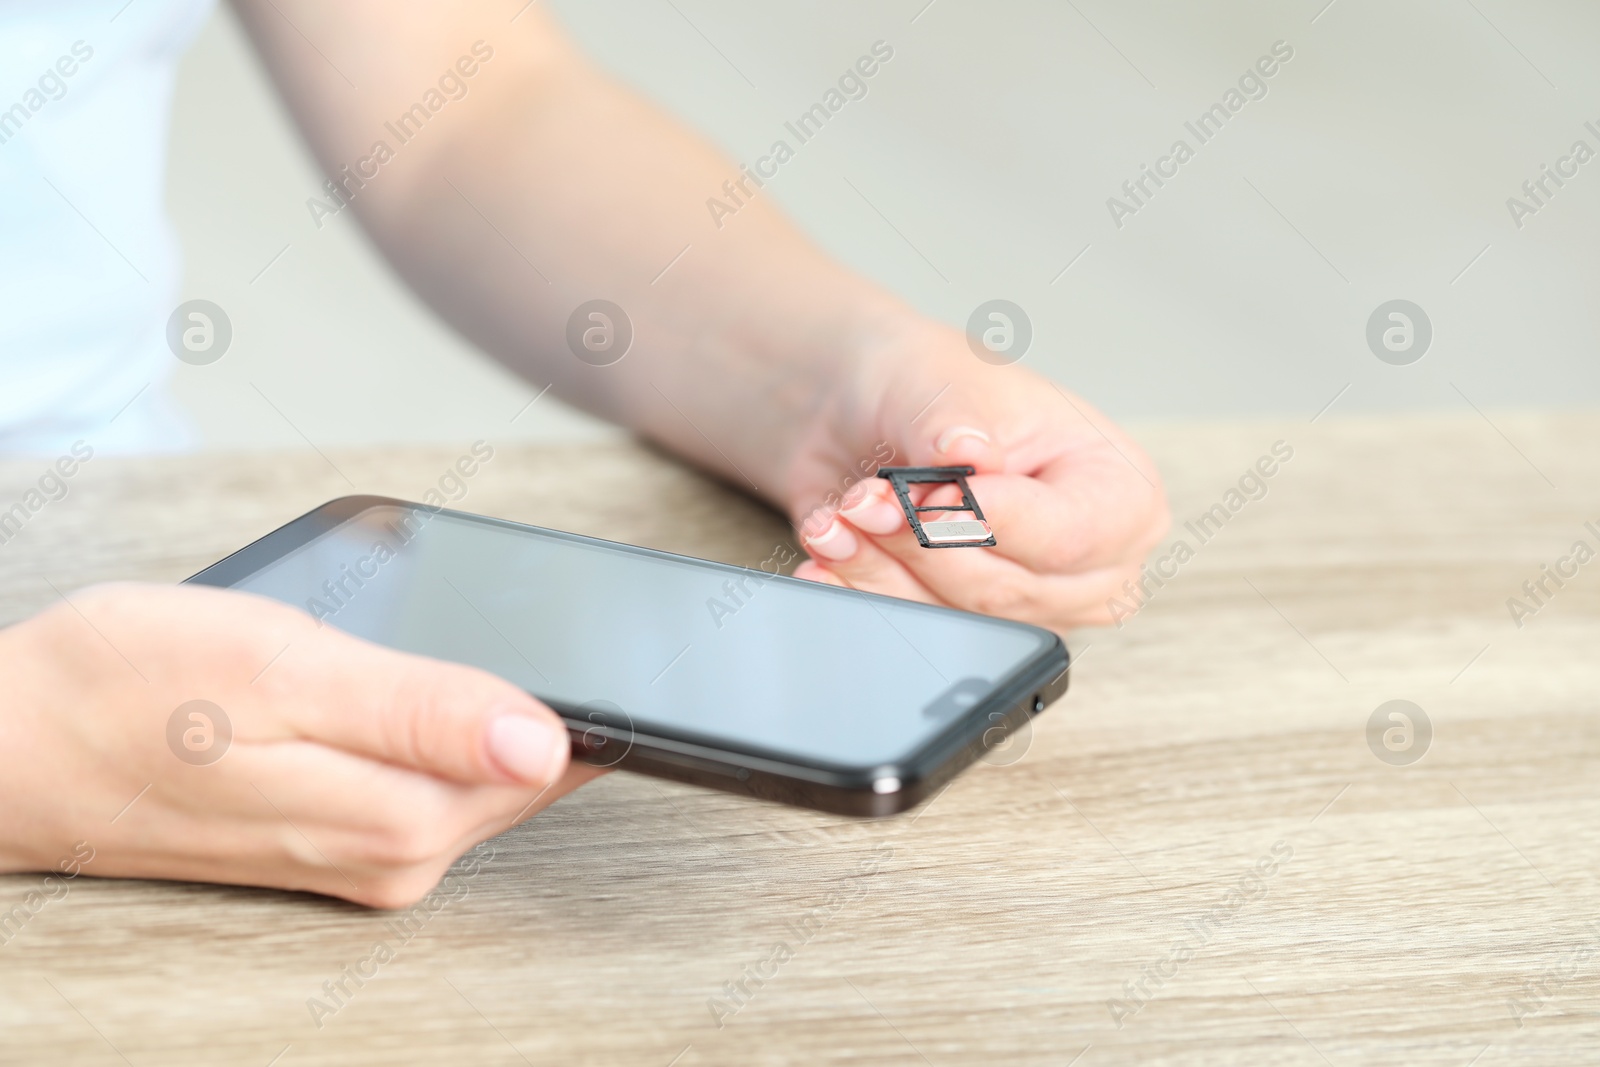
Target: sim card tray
pixel 962 533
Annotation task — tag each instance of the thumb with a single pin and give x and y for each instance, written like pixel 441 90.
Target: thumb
pixel 951 430
pixel 444 719
pixel 954 439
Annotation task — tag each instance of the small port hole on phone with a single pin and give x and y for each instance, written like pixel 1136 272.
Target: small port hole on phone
pixel 1038 703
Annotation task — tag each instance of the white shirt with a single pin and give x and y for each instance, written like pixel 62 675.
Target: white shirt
pixel 89 266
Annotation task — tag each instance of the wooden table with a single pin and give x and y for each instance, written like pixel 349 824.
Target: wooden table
pixel 1410 914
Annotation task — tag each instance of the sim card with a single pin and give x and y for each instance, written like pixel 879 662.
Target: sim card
pixel 955 533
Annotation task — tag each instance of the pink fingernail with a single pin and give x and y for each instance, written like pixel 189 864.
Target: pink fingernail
pixel 835 543
pixel 863 491
pixel 874 515
pixel 526 748
pixel 948 439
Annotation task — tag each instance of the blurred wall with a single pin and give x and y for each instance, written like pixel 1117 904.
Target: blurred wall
pixel 1374 164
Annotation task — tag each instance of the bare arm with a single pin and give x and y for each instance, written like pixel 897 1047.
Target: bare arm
pixel 547 185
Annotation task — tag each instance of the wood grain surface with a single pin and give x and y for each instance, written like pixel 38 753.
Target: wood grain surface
pixel 1198 860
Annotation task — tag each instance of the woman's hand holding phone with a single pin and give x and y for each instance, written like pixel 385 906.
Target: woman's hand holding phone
pixel 317 761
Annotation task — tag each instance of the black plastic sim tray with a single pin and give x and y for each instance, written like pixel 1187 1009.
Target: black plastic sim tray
pixel 953 533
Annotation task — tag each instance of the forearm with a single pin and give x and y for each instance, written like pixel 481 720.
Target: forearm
pixel 558 186
pixel 736 342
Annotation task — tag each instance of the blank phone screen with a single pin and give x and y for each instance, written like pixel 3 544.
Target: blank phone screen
pixel 734 658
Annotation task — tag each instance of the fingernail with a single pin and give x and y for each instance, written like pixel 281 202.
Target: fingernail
pixel 818 573
pixel 948 439
pixel 863 491
pixel 835 543
pixel 874 514
pixel 528 749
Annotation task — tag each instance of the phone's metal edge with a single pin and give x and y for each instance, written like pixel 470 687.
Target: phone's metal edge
pixel 298 531
pixel 840 791
pixel 856 791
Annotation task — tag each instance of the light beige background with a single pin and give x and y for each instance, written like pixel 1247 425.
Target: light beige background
pixel 1383 156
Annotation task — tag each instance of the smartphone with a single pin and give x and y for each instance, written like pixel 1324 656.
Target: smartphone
pixel 730 677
